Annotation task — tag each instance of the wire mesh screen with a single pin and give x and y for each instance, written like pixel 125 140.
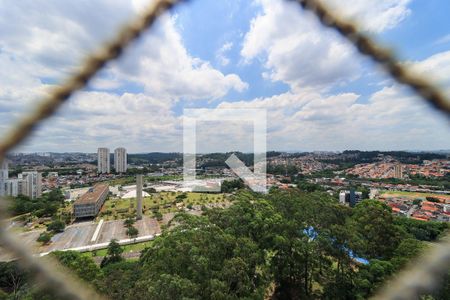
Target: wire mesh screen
pixel 409 284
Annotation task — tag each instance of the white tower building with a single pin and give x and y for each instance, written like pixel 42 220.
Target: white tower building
pixel 33 184
pixel 103 164
pixel 120 160
pixel 3 177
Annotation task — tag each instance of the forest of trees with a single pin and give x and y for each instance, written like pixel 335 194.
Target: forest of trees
pixel 284 245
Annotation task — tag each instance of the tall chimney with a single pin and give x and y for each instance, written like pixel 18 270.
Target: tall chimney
pixel 139 196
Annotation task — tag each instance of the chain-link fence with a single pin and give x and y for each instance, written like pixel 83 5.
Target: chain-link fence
pixel 409 284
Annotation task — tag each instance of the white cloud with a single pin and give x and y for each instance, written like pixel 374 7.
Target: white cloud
pixel 90 119
pixel 43 41
pixel 163 66
pixel 374 16
pixel 390 119
pixel 53 36
pixel 297 50
pixel 221 54
pixel 36 49
pixel 435 68
pixel 52 44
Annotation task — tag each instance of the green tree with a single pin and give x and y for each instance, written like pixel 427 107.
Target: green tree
pixel 55 195
pixel 371 277
pixel 376 235
pixel 408 248
pixel 56 226
pixel 44 238
pixel 81 264
pixel 309 187
pixel 200 260
pixel 12 279
pixel 158 215
pixel 169 287
pixel 229 186
pixel 132 231
pixel 119 280
pixel 424 231
pixel 113 253
pixel 300 245
pixel 181 197
pixel 129 222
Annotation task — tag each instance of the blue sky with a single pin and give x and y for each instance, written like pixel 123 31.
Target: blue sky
pixel 320 94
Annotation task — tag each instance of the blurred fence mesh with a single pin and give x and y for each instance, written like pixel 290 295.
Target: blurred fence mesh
pixel 423 277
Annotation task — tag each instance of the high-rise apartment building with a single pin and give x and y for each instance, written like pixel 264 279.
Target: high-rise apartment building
pixel 3 177
pixel 120 160
pixel 28 183
pixel 15 187
pixel 33 182
pixel 103 164
pixel 398 171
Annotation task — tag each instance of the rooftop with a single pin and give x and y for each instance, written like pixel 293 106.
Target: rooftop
pixel 92 195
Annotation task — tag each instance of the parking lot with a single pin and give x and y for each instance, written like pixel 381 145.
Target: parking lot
pixel 80 234
pixel 76 235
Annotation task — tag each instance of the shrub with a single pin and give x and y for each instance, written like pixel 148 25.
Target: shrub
pixel 56 226
pixel 44 238
pixel 158 215
pixel 132 231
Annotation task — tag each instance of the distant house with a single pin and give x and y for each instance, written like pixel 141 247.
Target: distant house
pixel 90 203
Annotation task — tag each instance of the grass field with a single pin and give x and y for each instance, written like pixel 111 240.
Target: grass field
pixel 164 202
pixel 413 195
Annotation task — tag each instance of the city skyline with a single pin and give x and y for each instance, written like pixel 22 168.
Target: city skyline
pixel 43 153
pixel 320 94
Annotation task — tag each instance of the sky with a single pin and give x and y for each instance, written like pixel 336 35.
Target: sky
pixel 319 93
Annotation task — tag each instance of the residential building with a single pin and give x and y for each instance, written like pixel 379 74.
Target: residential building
pixel 28 184
pixel 350 197
pixel 15 187
pixel 103 164
pixel 3 177
pixel 398 171
pixel 33 181
pixel 120 160
pixel 90 203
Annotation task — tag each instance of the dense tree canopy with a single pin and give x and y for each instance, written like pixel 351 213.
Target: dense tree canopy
pixel 283 245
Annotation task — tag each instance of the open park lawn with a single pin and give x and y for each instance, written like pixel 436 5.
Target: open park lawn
pixel 415 195
pixel 164 202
